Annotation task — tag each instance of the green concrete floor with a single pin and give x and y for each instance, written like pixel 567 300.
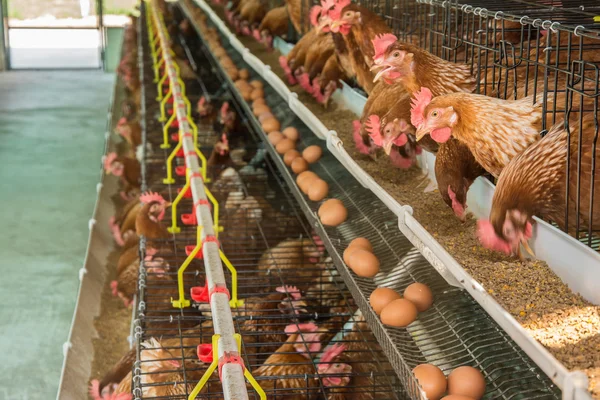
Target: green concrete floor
pixel 51 140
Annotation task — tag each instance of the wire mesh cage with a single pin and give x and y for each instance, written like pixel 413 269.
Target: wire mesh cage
pixel 302 336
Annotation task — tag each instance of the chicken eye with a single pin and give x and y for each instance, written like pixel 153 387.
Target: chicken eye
pixel 434 114
pixel 396 54
pixel 508 231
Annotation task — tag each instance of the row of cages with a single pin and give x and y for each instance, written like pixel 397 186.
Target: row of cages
pixel 549 50
pixel 275 253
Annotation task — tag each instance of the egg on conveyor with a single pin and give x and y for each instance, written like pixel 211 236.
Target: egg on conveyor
pixel 456 397
pixel 299 164
pixel 318 189
pixel 291 133
pixel 290 156
pixel 304 179
pixel 285 145
pixel 312 154
pixel 381 297
pixel 332 212
pixel 362 243
pixel 399 313
pixel 420 295
pixel 256 84
pixel 270 125
pixel 363 263
pixel 275 137
pixel 466 381
pixel 432 380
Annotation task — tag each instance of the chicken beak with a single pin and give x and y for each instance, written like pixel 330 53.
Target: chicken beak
pixel 525 244
pixel 335 25
pixel 421 131
pixel 167 204
pixel 386 68
pixel 387 147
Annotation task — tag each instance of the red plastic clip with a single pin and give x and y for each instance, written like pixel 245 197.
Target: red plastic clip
pixel 187 194
pixel 220 289
pixel 196 175
pixel 189 219
pixel 175 137
pixel 170 101
pixel 180 153
pixel 190 248
pixel 211 239
pixel 175 124
pixel 200 293
pixel 230 358
pixel 170 111
pixel 181 105
pixel 188 135
pixel 190 153
pixel 205 353
pixel 202 202
pixel 180 170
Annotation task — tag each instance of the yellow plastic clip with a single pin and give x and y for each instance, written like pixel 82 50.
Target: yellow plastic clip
pixel 234 302
pixel 156 74
pixel 210 370
pixel 169 179
pixel 174 228
pixel 182 302
pixel 160 97
pixel 215 205
pixel 166 144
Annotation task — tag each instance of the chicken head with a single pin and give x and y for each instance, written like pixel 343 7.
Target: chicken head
pixel 343 17
pixel 306 338
pixel 337 374
pixel 112 165
pixel 506 233
pixel 431 117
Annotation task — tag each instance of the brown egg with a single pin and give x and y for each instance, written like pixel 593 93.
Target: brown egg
pixel 244 74
pixel 233 74
pixel 290 155
pixel 240 83
pixel 299 164
pixel 399 313
pixel 270 125
pixel 327 205
pixel 466 381
pixel 257 94
pixel 260 109
pixel 381 297
pixel 256 84
pixel 275 137
pixel 258 101
pixel 362 243
pixel 456 397
pixel 285 145
pixel 318 188
pixel 246 94
pixel 420 295
pixel 291 133
pixel 312 154
pixel 335 215
pixel 264 116
pixel 363 263
pixel 432 380
pixel 305 179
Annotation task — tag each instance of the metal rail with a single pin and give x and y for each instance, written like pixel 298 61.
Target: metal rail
pixel 225 338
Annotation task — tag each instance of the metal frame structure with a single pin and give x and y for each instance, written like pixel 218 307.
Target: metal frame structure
pixel 573 384
pixel 4 4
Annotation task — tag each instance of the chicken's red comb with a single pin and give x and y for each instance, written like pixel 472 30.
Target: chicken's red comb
pixel 202 101
pixel 122 121
pixel 488 238
pixel 150 252
pixel 327 5
pixel 399 161
pixel 336 13
pixel 316 91
pixel 373 126
pixel 94 389
pixel 150 197
pixel 331 352
pixel 291 290
pixel 256 34
pixel 224 139
pixel 304 81
pixel 418 105
pixel 314 15
pixel 224 109
pixel 381 44
pixel 109 159
pixel 308 327
pixel 358 140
